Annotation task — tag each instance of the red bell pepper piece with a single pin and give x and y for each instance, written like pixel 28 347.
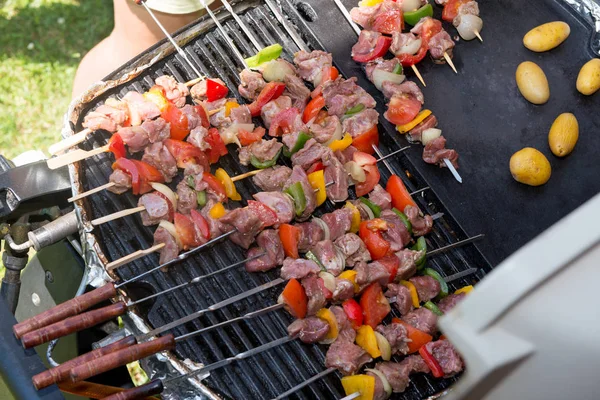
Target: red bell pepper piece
pixel 217 147
pixel 312 108
pixel 247 138
pixel 215 91
pixel 372 178
pixel 417 337
pixel 271 91
pixel 354 312
pixel 318 166
pixel 200 223
pixel 129 168
pixel 374 304
pixel 402 109
pixel 215 185
pixel 186 153
pixel 381 47
pixel 400 195
pixel 290 237
pixel 294 298
pixel 266 214
pixel 116 146
pixel 365 141
pixel 203 114
pixel 178 122
pixel 432 363
pixel 378 247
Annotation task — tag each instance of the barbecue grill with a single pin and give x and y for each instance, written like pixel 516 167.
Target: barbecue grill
pixel 307 25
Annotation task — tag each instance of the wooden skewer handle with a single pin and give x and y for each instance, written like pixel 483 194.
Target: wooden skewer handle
pixel 245 175
pixel 117 215
pixel 63 371
pixel 122 357
pixel 72 324
pixel 65 310
pixel 68 142
pixel 73 156
pixel 140 392
pixel 91 191
pixel 133 256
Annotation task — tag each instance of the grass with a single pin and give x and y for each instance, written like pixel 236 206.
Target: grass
pixel 41 44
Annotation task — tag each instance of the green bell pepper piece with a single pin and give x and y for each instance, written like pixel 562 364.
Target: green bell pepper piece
pixel 413 17
pixel 264 164
pixel 421 245
pixel 443 285
pixel 300 142
pixel 354 110
pixel 374 207
pixel 433 308
pixel 295 190
pixel 398 69
pixel 190 181
pixel 404 220
pixel 269 53
pixel 201 198
pixel 311 256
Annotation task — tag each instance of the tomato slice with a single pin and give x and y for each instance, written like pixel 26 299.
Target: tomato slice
pixel 402 109
pixel 217 146
pixel 283 122
pixel 372 179
pixel 318 166
pixel 418 338
pixel 200 223
pixel 334 73
pixel 294 298
pixel 186 230
pixel 203 114
pixel 129 167
pixel 451 9
pixel 354 312
pixel 388 22
pixel 271 91
pixel 266 214
pixel 391 263
pixel 186 153
pixel 378 247
pixel 312 108
pixel 363 159
pixel 290 237
pixel 381 47
pixel 374 304
pixel 400 195
pixel 215 185
pixel 247 138
pixel 365 141
pixel 147 175
pixel 171 212
pixel 116 146
pixel 178 121
pixel 215 91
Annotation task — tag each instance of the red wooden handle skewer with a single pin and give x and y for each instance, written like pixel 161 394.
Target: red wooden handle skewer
pixel 72 324
pixel 65 310
pixel 140 392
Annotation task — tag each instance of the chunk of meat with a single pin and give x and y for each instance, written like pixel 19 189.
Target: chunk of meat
pixel 449 302
pixel 379 392
pixel 219 119
pixel 323 132
pixel 336 174
pixel 396 335
pixel 298 175
pixel 193 175
pixel 157 209
pixel 343 94
pixel 122 181
pixel 252 84
pixel 309 330
pixel 198 91
pixel 346 357
pixel 439 44
pixel 135 137
pixel 157 129
pixel 427 287
pixel 187 199
pixel 346 155
pixel 311 64
pixel 421 225
pixel 246 223
pixel 160 158
pixel 416 132
pixel 268 243
pixel 109 116
pixel 364 15
pixel 401 295
pixel 274 107
pixel 382 64
pixel 297 91
pixel 329 256
pixel 342 319
pixel 402 41
pixel 372 272
pixel 311 153
pixel 435 152
pixel 314 293
pixel 197 137
pixel 446 356
pixel 298 268
pixel 176 92
pixel 397 233
pixel 408 266
pixel 193 118
pixel 397 374
pixel 281 203
pixel 344 290
pixel 310 234
pixel 367 41
pixel 422 319
pixel 381 198
pixel 391 89
pixel 241 115
pixel 273 178
pixel 170 250
pixel 360 123
pixel 353 249
pixel 140 108
pixel 338 221
pixel 470 7
pixel 263 150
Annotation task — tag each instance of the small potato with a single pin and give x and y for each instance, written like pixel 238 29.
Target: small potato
pixel 530 166
pixel 546 36
pixel 532 82
pixel 588 80
pixel 563 135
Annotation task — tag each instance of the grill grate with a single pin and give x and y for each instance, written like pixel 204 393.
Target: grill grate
pixel 271 373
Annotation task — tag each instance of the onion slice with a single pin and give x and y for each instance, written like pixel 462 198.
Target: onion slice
pixel 323 226
pixel 467 26
pixel 367 210
pixel 337 135
pixel 169 194
pixel 277 70
pixel 410 5
pixel 229 135
pixel 411 48
pixel 384 346
pixel 429 134
pixel 328 280
pixel 171 229
pixel 380 76
pixel 386 384
pixel 355 171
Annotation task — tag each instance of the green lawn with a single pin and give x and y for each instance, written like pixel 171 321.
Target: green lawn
pixel 41 44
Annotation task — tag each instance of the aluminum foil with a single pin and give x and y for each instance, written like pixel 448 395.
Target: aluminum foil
pixel 589 10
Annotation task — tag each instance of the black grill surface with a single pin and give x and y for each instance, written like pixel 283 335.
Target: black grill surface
pixel 321 26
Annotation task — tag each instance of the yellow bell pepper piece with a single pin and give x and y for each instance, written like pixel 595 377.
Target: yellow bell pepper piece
pixel 369 3
pixel 317 181
pixel 350 275
pixel 414 295
pixel 157 98
pixel 418 119
pixel 363 384
pixel 230 189
pixel 217 211
pixel 355 217
pixel 326 315
pixel 341 144
pixel 230 105
pixel 365 338
pixel 465 289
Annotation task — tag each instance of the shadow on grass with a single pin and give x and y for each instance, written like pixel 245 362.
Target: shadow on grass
pixel 54 32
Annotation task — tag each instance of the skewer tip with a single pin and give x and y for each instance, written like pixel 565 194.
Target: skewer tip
pixel 418 74
pixel 450 62
pixel 478 36
pixel 453 170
